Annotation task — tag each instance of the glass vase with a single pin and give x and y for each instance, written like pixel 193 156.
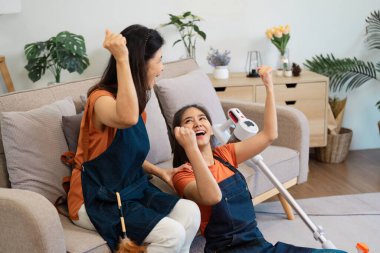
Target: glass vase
pixel 283 62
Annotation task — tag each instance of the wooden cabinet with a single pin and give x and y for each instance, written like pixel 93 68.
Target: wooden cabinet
pixel 308 93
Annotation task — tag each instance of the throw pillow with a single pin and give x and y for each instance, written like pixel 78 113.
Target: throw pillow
pixel 160 149
pixel 192 88
pixel 33 143
pixel 71 127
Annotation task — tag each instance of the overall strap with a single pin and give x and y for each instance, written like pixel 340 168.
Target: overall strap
pixel 227 164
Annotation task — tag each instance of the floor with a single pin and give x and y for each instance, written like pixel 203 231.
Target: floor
pixel 359 173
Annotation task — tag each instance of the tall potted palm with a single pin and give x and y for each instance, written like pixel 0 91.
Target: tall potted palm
pixel 348 74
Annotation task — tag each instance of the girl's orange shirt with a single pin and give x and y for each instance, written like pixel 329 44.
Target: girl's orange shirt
pixel 98 142
pixel 218 170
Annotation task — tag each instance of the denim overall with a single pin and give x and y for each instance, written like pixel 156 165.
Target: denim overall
pixel 119 169
pixel 232 226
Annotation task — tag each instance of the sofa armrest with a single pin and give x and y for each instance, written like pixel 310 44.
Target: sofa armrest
pixel 293 129
pixel 29 223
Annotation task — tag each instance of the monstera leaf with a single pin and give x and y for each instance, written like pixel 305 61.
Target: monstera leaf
pixel 64 51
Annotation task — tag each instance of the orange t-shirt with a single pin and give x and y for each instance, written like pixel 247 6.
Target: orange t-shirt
pixel 218 170
pixel 98 142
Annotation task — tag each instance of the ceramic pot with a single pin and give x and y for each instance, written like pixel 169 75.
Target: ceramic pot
pixel 221 72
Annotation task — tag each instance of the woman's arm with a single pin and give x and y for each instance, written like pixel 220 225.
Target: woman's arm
pixel 204 190
pixel 165 175
pixel 256 144
pixel 123 111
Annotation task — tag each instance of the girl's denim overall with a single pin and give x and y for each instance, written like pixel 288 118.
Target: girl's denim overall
pixel 232 226
pixel 119 169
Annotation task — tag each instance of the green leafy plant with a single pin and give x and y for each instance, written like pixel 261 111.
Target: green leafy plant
pixel 188 30
pixel 64 51
pixel 350 73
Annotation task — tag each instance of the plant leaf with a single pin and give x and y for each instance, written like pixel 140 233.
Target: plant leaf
pixel 34 50
pixel 346 72
pixel 176 42
pixel 373 30
pixel 36 68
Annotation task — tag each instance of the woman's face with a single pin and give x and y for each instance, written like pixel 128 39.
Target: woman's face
pixel 196 120
pixel 155 67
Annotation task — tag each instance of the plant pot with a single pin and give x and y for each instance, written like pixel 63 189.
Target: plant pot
pixel 221 72
pixel 279 72
pixel 337 147
pixel 288 73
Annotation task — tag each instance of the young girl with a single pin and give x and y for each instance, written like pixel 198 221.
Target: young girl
pixel 227 213
pixel 112 147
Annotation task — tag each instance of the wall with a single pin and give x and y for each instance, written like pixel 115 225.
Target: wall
pixel 317 27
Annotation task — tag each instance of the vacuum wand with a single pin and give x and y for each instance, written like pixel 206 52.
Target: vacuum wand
pixel 237 128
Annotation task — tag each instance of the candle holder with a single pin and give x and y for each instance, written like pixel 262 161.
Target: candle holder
pixel 253 62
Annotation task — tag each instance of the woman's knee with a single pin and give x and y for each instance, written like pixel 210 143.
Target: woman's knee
pixel 167 234
pixel 187 213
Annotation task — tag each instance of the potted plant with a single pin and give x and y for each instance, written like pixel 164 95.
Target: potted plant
pixel 280 36
pixel 64 51
pixel 188 30
pixel 347 74
pixel 220 62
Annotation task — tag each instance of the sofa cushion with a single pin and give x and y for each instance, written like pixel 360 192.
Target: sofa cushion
pixel 283 163
pixel 82 240
pixel 71 127
pixel 192 88
pixel 33 143
pixel 160 149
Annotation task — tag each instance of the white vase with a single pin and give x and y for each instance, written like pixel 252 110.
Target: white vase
pixel 221 72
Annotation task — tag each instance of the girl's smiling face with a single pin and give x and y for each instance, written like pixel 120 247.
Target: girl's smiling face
pixel 196 120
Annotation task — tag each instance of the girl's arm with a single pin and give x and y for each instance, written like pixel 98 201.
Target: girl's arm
pixel 204 190
pixel 123 111
pixel 250 147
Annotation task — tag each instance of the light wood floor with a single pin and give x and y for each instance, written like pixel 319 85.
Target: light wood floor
pixel 359 173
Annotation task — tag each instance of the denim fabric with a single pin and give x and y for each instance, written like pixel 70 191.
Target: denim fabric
pixel 232 227
pixel 119 169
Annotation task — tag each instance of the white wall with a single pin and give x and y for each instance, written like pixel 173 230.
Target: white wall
pixel 322 26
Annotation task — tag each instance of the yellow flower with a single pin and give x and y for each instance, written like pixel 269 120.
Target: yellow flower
pixel 279 36
pixel 269 34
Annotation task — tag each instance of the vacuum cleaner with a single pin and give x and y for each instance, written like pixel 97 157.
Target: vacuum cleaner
pixel 238 128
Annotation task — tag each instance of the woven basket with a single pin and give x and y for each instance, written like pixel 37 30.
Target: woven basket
pixel 337 147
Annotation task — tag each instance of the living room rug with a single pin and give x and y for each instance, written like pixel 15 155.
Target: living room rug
pixel 346 220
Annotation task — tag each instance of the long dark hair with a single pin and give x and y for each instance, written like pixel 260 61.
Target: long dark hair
pixel 142 44
pixel 179 154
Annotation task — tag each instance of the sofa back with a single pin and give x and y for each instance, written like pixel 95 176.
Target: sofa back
pixel 34 98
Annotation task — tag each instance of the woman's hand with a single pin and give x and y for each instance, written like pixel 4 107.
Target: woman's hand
pixel 117 45
pixel 167 174
pixel 185 137
pixel 265 73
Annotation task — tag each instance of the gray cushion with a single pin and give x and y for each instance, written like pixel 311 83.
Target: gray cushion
pixel 33 143
pixel 192 88
pixel 160 149
pixel 71 127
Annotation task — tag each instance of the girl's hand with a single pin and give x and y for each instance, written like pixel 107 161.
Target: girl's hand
pixel 185 137
pixel 265 73
pixel 167 174
pixel 117 45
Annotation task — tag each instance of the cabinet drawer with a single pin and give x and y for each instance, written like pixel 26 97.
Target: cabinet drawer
pixel 238 93
pixel 293 91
